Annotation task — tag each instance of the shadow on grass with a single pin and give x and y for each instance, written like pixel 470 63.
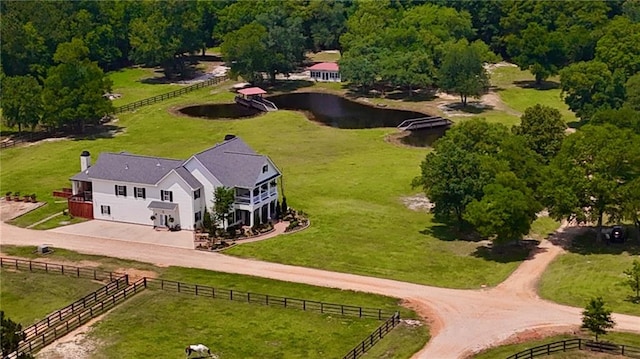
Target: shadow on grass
pixel 505 253
pixel 633 299
pixel 543 86
pixel 583 241
pixel 97 132
pixel 448 231
pixel 473 107
pixel 286 85
pixel 576 124
pixel 414 96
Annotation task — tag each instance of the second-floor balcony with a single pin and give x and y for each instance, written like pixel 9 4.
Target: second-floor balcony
pixel 256 196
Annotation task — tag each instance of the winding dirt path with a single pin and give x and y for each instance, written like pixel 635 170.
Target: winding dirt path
pixel 463 321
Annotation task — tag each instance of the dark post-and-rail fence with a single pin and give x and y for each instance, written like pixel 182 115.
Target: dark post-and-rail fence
pixel 151 100
pixel 374 337
pixel 267 299
pixel 61 322
pixel 578 344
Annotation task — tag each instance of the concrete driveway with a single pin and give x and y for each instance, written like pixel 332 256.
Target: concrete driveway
pixel 129 233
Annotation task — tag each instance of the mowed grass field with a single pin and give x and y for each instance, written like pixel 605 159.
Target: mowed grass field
pixel 616 337
pixel 27 297
pixel 588 270
pixel 350 182
pixel 162 323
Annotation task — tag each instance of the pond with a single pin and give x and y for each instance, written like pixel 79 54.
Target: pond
pixel 339 112
pixel 215 111
pixel 332 110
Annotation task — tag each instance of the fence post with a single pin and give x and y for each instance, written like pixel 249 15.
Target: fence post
pixel 126 279
pixel 30 270
pixel 145 281
pixel 213 292
pixel 267 299
pixel 304 304
pixel 178 287
pixel 248 297
pixel 62 269
pixel 321 307
pixel 285 302
pixel 196 290
pixel 231 294
pixel 342 309
pixel 360 312
pixel 78 271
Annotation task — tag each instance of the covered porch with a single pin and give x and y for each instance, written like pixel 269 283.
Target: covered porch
pixel 259 215
pixel 164 214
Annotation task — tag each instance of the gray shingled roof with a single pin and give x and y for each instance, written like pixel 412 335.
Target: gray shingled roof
pixel 126 167
pixel 233 163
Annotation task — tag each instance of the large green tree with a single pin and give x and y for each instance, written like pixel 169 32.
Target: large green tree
pixel 543 128
pixel 505 211
pixel 462 164
pixel 590 86
pixel 619 48
pixel 168 31
pixel 633 278
pixel 590 174
pixel 246 50
pixel 462 71
pixel 284 40
pixel 21 101
pixel 73 90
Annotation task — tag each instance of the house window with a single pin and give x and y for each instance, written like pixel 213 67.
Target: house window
pixel 166 196
pixel 105 210
pixel 196 194
pixel 139 192
pixel 198 216
pixel 265 168
pixel 121 190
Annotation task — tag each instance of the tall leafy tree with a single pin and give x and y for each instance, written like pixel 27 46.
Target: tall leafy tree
pixel 619 48
pixel 73 90
pixel 543 128
pixel 327 22
pixel 285 41
pixel 588 177
pixel 506 210
pixel 463 163
pixel 589 86
pixel 21 101
pixel 624 117
pixel 168 32
pixel 462 71
pixel 246 50
pixel 597 318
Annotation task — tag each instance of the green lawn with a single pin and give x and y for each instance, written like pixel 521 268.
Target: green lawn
pixel 507 350
pixel 516 88
pixel 590 270
pixel 323 56
pixel 542 227
pixel 27 297
pixel 230 329
pixel 349 181
pixel 138 83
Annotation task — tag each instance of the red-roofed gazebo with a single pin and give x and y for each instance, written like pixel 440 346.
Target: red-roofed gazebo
pixel 325 71
pixel 252 91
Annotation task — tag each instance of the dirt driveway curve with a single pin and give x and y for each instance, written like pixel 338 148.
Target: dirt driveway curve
pixel 463 321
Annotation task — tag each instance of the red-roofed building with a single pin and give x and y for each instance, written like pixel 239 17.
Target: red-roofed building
pixel 325 71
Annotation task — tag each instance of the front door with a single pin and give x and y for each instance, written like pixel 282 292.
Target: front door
pixel 164 220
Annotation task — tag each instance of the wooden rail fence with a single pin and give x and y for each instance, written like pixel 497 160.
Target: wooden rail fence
pixel 578 344
pixel 62 328
pixel 24 138
pixel 52 268
pixel 151 100
pixel 266 299
pixel 374 337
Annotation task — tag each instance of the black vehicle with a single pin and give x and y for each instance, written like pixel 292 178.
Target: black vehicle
pixel 618 234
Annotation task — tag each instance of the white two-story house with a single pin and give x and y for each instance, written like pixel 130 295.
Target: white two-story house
pixel 170 193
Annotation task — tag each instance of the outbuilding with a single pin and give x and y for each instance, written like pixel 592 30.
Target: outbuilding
pixel 325 72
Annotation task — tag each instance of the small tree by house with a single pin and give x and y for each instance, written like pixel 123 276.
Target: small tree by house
pixel 633 279
pixel 596 318
pixel 278 210
pixel 222 204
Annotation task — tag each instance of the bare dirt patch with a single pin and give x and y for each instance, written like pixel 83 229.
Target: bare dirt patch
pixel 418 203
pixel 12 209
pixel 137 274
pixel 74 345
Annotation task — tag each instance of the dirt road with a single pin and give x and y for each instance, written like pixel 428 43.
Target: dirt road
pixel 462 321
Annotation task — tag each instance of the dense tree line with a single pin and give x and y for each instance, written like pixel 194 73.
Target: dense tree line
pixel 386 45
